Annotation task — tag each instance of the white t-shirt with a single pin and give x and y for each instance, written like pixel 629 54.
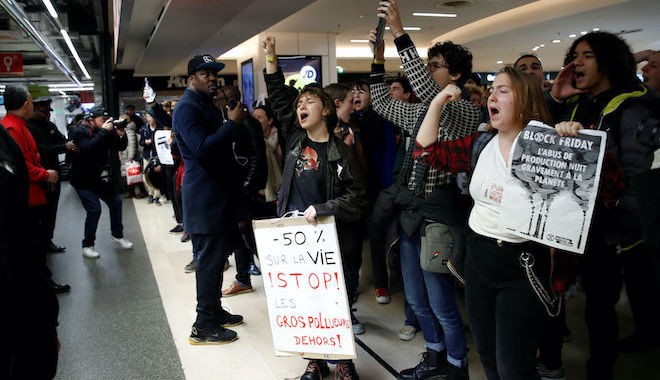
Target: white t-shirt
pixel 162 139
pixel 487 188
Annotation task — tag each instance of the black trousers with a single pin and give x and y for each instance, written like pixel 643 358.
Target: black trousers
pixel 171 193
pixel 50 215
pixel 211 253
pixel 349 235
pixel 505 314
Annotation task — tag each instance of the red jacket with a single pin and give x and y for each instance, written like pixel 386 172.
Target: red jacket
pixel 38 175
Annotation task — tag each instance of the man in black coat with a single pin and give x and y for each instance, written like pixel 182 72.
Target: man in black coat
pixel 211 188
pixel 51 143
pixel 32 352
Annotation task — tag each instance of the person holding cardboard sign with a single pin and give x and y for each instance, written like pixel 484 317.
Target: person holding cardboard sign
pixel 322 175
pixel 505 315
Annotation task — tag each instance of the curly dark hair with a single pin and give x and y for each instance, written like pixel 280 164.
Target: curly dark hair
pixel 615 60
pixel 457 57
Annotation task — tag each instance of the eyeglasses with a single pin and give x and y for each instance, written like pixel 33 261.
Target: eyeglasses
pixel 433 66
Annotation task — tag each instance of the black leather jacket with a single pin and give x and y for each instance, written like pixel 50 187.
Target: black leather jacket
pixel 346 185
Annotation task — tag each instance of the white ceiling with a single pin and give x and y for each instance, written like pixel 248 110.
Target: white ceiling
pixel 193 26
pixel 157 37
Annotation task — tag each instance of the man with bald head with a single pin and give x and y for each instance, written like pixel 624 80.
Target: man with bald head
pixel 650 71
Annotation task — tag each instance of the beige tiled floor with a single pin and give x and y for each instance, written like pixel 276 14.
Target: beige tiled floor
pixel 252 357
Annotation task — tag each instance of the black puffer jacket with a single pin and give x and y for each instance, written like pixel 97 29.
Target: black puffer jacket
pixel 619 112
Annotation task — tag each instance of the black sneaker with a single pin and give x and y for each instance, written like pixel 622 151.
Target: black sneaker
pixel 316 370
pixel 191 266
pixel 185 237
pixel 228 320
pixel 213 335
pixel 178 228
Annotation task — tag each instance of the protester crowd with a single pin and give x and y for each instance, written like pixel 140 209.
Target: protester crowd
pixel 392 158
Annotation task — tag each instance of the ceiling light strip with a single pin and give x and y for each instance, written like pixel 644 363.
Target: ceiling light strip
pixel 69 89
pixel 57 85
pixel 428 14
pixel 65 34
pixel 50 8
pixel 407 28
pixel 18 15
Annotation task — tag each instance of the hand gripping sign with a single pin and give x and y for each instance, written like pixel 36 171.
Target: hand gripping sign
pixel 552 190
pixel 305 289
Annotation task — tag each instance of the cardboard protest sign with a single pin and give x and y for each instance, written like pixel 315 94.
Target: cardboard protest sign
pixel 554 181
pixel 305 289
pixel 162 138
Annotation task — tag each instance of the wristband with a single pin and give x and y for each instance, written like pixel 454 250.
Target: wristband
pixel 398 34
pixel 270 57
pixel 378 61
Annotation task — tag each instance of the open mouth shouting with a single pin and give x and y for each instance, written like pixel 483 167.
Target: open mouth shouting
pixel 494 111
pixel 303 116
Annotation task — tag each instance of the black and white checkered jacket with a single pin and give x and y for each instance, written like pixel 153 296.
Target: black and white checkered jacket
pixel 459 119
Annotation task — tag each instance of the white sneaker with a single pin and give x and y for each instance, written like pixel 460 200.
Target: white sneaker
pixel 123 242
pixel 90 253
pixel 407 333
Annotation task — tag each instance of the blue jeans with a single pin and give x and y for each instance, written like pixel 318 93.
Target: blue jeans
pixel 91 202
pixel 431 296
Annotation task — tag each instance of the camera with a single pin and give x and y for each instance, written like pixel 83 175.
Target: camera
pixel 648 133
pixel 104 176
pixel 120 123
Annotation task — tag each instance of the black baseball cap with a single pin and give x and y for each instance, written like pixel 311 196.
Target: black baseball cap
pixel 97 111
pixel 203 62
pixel 43 102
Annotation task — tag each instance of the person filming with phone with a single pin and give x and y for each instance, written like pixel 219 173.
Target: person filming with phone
pixel 211 189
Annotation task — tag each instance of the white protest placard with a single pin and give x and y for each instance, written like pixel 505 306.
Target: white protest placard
pixel 163 139
pixel 305 289
pixel 552 190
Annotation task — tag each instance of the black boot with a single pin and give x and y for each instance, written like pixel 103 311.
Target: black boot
pixel 432 367
pixel 316 370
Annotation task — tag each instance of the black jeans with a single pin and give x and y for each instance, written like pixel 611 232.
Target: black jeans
pixel 349 235
pixel 380 239
pixel 602 280
pixel 552 340
pixel 53 197
pixel 211 253
pixel 505 314
pixel 244 251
